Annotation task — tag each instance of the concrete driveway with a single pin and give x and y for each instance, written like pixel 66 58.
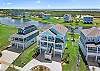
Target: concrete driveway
pixel 94 68
pixel 54 66
pixel 7 58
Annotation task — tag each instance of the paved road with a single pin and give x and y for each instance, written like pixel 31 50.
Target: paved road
pixel 7 58
pixel 54 66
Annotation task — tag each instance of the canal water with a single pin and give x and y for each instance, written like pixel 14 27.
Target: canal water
pixel 18 22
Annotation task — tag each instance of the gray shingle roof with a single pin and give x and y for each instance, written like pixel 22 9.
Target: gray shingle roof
pixel 92 32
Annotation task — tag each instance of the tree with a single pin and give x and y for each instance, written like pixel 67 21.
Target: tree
pixel 0 54
pixel 66 56
pixel 73 34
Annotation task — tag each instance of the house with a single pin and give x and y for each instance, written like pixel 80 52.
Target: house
pixel 20 13
pixel 26 35
pixel 87 19
pixel 90 44
pixel 46 16
pixel 67 18
pixel 52 41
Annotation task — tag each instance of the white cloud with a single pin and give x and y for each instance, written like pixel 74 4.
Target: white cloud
pixel 9 3
pixel 38 2
pixel 49 5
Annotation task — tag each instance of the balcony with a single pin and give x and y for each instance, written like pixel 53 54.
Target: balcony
pixel 44 38
pixel 92 51
pixel 51 39
pixel 58 46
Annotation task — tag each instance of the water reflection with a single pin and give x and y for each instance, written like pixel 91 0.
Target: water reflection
pixel 18 22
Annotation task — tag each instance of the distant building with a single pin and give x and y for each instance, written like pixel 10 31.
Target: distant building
pixel 88 19
pixel 46 16
pixel 90 44
pixel 39 14
pixel 19 13
pixel 52 41
pixel 26 35
pixel 67 18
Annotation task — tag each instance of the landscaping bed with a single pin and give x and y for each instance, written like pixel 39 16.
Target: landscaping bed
pixel 71 54
pixel 26 56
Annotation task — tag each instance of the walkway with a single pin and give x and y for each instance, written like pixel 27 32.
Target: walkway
pixel 54 66
pixel 7 58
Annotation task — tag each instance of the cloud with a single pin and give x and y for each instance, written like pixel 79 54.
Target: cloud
pixel 38 2
pixel 49 5
pixel 9 3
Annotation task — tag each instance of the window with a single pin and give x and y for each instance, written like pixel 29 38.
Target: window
pixel 44 44
pixel 98 57
pixel 50 45
pixel 58 46
pixel 92 49
pixel 51 38
pixel 44 38
pixel 98 50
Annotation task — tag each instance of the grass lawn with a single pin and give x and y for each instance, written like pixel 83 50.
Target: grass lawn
pixel 5 33
pixel 73 52
pixel 61 21
pixel 26 56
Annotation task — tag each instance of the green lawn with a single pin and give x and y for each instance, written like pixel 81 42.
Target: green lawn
pixel 5 33
pixel 73 51
pixel 26 56
pixel 61 21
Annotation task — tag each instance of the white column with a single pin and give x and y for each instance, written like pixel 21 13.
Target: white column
pixel 96 57
pixel 97 49
pixel 23 47
pixel 16 44
pixel 87 54
pixel 40 46
pixel 62 50
pixel 47 41
pixel 54 46
pixel 97 53
pixel 37 38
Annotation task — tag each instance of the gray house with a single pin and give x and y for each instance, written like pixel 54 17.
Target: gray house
pixel 88 19
pixel 52 41
pixel 26 35
pixel 90 44
pixel 67 18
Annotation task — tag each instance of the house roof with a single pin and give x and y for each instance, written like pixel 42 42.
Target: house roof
pixel 92 32
pixel 56 30
pixel 60 29
pixel 26 24
pixel 87 16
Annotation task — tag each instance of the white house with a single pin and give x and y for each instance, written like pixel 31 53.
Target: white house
pixel 90 44
pixel 87 19
pixel 52 41
pixel 67 18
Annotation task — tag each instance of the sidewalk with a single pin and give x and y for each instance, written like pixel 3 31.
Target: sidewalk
pixel 7 58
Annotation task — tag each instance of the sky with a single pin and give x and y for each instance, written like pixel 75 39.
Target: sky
pixel 49 4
